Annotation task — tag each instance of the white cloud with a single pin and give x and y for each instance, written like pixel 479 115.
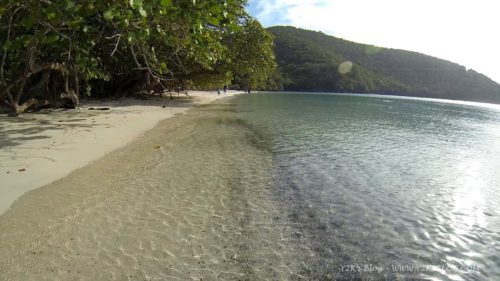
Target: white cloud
pixel 463 31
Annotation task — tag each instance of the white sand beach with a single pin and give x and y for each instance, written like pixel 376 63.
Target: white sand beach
pixel 39 148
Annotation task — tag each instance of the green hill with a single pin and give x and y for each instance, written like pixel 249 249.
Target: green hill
pixel 314 61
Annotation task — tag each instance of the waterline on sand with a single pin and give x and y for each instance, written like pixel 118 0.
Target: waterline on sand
pixel 39 148
pixel 191 199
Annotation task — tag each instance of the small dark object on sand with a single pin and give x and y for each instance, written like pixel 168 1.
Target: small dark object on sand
pixel 99 108
pixel 164 106
pixel 22 170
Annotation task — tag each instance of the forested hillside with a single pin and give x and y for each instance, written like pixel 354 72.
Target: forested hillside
pixel 313 61
pixel 54 51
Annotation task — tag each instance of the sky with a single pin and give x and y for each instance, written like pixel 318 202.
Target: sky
pixel 463 31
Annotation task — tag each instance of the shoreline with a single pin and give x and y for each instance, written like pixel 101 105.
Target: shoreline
pixel 39 148
pixel 191 199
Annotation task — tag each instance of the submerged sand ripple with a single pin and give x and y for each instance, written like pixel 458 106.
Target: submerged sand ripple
pixel 190 200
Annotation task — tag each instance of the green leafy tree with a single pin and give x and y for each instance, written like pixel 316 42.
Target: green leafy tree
pixel 252 55
pixel 53 50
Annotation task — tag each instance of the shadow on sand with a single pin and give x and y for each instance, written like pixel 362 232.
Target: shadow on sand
pixel 35 125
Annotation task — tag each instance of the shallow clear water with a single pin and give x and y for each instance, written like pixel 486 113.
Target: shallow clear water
pixel 381 187
pixel 276 187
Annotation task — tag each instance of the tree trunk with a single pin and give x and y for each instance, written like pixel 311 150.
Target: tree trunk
pixel 18 109
pixel 61 93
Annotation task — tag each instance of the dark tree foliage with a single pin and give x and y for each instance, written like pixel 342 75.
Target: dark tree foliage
pixel 252 55
pixel 311 61
pixel 53 50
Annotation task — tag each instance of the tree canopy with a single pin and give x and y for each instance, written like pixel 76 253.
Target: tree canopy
pixel 252 56
pixel 53 50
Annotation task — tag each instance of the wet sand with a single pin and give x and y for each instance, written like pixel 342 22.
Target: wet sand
pixel 191 199
pixel 39 148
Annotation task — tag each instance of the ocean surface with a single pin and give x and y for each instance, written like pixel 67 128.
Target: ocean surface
pixel 381 187
pixel 276 187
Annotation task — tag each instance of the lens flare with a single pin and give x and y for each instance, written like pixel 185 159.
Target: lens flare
pixel 345 67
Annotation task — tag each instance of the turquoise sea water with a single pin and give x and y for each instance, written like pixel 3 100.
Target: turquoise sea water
pixel 380 187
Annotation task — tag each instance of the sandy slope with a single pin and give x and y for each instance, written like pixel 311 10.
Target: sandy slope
pixel 39 148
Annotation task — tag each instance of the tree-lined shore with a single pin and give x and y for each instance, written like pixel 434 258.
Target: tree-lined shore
pixel 55 51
